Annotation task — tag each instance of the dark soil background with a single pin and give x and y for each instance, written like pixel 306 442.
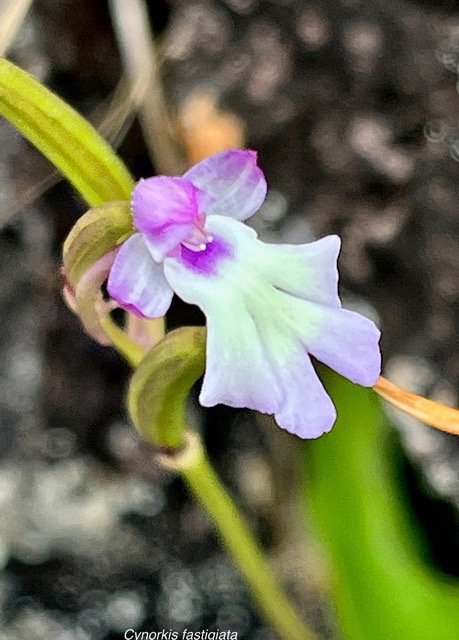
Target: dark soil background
pixel 354 111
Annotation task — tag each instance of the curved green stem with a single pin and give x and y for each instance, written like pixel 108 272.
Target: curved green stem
pixel 277 610
pixel 156 400
pixel 130 351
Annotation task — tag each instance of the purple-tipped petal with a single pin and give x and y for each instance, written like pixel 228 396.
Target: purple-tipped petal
pixel 137 283
pixel 343 340
pixel 307 411
pixel 305 408
pixel 233 179
pixel 164 210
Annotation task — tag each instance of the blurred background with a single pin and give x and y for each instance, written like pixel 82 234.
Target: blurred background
pixel 353 109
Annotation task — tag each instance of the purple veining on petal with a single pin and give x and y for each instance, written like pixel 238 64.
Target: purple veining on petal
pixel 233 179
pixel 136 282
pixel 207 262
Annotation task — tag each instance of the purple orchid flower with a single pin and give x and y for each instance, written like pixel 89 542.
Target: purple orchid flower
pixel 267 306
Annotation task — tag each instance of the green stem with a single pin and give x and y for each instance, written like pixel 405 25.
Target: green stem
pixel 207 488
pixel 156 399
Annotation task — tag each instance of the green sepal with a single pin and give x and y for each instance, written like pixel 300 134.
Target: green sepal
pixel 96 233
pixel 160 386
pixel 63 136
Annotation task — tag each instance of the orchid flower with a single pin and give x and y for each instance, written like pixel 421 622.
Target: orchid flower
pixel 268 307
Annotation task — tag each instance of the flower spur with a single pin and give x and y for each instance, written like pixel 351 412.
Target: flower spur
pixel 268 307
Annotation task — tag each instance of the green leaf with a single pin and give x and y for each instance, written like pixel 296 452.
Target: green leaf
pixel 63 136
pixel 382 586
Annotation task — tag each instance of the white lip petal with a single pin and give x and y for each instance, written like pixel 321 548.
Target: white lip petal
pixel 307 271
pixel 255 358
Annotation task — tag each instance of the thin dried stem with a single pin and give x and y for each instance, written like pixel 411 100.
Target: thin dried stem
pixel 141 60
pixel 111 121
pixel 114 120
pixel 432 413
pixel 12 17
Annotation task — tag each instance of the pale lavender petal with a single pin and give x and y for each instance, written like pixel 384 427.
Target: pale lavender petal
pixel 308 271
pixel 232 342
pixel 164 209
pixel 305 408
pixel 233 179
pixel 343 340
pixel 137 283
pixel 166 240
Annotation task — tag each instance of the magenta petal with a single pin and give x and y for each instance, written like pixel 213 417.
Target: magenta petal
pixel 233 179
pixel 137 283
pixel 161 201
pixel 165 209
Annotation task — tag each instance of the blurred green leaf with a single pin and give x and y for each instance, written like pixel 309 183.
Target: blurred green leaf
pixel 382 587
pixel 63 136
